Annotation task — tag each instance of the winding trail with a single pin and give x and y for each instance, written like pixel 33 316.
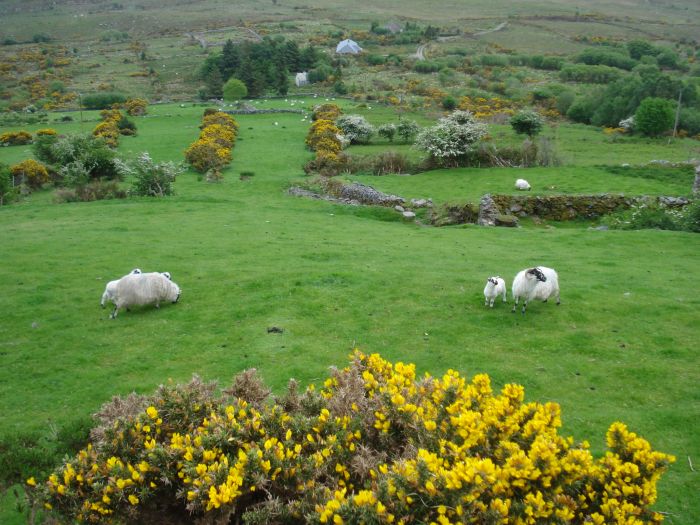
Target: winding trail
pixel 493 30
pixel 420 52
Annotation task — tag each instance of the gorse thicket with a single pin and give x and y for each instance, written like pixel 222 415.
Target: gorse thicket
pixel 212 150
pixel 376 444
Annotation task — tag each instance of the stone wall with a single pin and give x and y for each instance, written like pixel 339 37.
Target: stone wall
pixel 503 210
pixel 562 207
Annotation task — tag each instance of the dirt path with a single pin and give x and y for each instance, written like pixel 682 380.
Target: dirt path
pixel 487 31
pixel 420 52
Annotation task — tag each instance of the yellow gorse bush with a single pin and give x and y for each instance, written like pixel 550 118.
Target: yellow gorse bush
pixel 212 150
pixel 135 107
pixel 30 172
pixel 375 444
pixel 15 138
pixel 487 107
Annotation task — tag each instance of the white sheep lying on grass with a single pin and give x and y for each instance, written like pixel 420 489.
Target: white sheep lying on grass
pixel 144 288
pixel 495 286
pixel 522 184
pixel 539 282
pixel 110 292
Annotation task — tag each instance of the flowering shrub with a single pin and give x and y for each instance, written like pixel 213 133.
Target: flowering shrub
pixel 212 150
pixel 151 179
pixel 486 107
pixel 327 140
pixel 224 136
pixel 219 117
pixel 356 128
pixel 107 131
pixel 135 107
pixel 15 138
pixel 388 131
pixel 407 129
pixel 204 155
pixel 449 142
pixel 527 122
pixel 45 132
pixel 326 112
pixel 30 172
pixel 375 444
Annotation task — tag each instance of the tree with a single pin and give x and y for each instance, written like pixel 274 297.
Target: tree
pixel 654 116
pixel 214 83
pixel 388 131
pixel 234 89
pixel 407 129
pixel 527 122
pixel 230 59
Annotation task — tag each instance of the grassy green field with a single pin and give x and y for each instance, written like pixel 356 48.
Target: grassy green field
pixel 622 346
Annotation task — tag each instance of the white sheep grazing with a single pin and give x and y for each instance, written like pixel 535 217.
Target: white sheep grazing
pixel 495 286
pixel 111 289
pixel 144 288
pixel 539 282
pixel 522 184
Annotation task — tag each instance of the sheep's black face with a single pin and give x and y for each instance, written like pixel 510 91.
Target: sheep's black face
pixel 492 281
pixel 537 273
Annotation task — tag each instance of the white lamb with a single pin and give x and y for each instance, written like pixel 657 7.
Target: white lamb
pixel 110 292
pixel 495 286
pixel 535 283
pixel 522 184
pixel 144 288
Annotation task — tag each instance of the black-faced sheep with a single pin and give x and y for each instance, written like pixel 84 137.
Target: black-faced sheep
pixel 495 286
pixel 143 289
pixel 111 289
pixel 539 282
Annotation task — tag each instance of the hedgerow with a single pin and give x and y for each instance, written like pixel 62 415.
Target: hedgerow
pixel 375 444
pixel 212 150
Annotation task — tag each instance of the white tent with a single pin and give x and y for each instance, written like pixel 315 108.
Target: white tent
pixel 348 47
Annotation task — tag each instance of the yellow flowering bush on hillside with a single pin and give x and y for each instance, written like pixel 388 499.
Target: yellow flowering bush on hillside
pixel 136 107
pixel 324 137
pixel 212 150
pixel 375 444
pixel 15 138
pixel 326 112
pixel 487 107
pixel 30 172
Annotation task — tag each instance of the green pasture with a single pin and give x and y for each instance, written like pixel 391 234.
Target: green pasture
pixel 622 346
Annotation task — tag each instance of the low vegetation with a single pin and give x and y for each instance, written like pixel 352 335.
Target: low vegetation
pixel 602 122
pixel 374 443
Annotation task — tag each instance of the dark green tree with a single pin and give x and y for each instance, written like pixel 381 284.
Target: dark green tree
pixel 230 59
pixel 527 122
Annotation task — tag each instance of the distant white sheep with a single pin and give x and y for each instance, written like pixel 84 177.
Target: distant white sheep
pixel 495 286
pixel 143 289
pixel 539 282
pixel 522 184
pixel 111 289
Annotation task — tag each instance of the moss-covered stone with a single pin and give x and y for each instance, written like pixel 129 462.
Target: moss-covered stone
pixel 449 214
pixel 509 221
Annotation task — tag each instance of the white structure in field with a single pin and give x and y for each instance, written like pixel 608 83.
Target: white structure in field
pixel 348 47
pixel 301 79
